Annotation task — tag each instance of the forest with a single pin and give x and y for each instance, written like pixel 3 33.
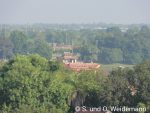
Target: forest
pixel 33 84
pixel 105 45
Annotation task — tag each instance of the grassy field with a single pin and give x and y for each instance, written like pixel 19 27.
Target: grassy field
pixel 110 67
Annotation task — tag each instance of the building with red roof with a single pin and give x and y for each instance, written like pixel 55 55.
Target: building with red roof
pixel 69 57
pixel 70 62
pixel 78 66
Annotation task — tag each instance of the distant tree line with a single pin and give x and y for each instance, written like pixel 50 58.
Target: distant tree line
pixel 114 46
pixel 105 46
pixel 17 42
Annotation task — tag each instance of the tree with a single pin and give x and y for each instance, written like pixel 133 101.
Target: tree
pixel 142 82
pixel 6 48
pixel 41 47
pixel 19 41
pixel 113 55
pixel 27 81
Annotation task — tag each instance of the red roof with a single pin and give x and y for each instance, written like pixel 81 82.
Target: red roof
pixel 78 66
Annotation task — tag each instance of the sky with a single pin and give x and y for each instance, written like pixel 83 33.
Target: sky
pixel 74 11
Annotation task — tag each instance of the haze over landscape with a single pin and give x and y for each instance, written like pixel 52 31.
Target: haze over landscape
pixel 74 56
pixel 74 11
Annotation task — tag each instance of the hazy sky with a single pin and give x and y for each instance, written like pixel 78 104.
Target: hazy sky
pixel 74 11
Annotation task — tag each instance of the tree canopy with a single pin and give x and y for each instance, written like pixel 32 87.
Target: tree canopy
pixel 33 84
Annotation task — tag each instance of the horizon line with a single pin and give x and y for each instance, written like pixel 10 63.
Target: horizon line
pixel 75 23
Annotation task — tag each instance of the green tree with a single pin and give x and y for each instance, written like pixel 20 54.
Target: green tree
pixel 6 48
pixel 41 47
pixel 29 82
pixel 19 41
pixel 113 55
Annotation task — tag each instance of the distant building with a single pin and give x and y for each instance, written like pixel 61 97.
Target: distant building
pixel 124 29
pixel 69 57
pixel 79 66
pixel 57 47
pixel 70 62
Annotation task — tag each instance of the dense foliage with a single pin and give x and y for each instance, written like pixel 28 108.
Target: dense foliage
pixel 113 46
pixel 107 45
pixel 33 84
pixel 20 43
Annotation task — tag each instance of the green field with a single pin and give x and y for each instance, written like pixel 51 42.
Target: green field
pixel 110 67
